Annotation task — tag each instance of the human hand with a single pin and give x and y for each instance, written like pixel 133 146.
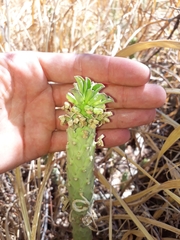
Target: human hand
pixel 29 124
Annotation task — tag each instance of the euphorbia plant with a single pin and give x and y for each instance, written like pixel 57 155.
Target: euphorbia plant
pixel 85 111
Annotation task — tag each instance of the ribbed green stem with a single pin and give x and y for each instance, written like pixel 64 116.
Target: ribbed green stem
pixel 85 111
pixel 80 165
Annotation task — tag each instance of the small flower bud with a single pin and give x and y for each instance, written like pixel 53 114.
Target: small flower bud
pixel 75 109
pixel 88 109
pixel 62 119
pixel 67 105
pixel 70 123
pixel 76 120
pixel 109 114
pixel 98 111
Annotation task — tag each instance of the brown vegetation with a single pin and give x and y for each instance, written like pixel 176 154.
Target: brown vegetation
pixel 145 172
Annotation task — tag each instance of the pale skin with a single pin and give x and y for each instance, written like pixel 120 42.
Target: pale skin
pixel 29 124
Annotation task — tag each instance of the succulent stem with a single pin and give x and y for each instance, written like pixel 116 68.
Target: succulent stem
pixel 85 111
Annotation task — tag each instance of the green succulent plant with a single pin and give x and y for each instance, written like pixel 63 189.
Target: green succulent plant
pixel 84 112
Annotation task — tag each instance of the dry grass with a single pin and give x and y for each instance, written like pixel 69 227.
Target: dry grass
pixel 147 167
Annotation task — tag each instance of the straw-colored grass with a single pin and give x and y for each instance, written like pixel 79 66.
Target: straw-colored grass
pixel 137 192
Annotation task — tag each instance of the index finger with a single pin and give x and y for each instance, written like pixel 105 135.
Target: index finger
pixel 62 68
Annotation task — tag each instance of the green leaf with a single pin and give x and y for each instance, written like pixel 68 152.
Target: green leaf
pixel 70 97
pixel 92 92
pixel 97 87
pixel 80 83
pixel 89 83
pixel 99 99
pixel 84 87
pixel 89 95
pixel 77 95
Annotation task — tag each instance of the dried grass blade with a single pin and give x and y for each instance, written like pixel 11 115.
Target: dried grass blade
pixel 172 90
pixel 22 201
pixel 171 139
pixel 166 119
pixel 103 180
pixel 48 170
pixel 110 215
pixel 144 220
pixel 137 47
pixel 171 194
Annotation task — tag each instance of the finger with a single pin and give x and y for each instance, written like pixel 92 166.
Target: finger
pixel 147 96
pixel 62 68
pixel 122 118
pixel 114 137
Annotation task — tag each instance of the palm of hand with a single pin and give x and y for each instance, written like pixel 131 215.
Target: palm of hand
pixel 28 110
pixel 28 118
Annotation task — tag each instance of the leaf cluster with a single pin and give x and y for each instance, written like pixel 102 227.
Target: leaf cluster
pixel 86 96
